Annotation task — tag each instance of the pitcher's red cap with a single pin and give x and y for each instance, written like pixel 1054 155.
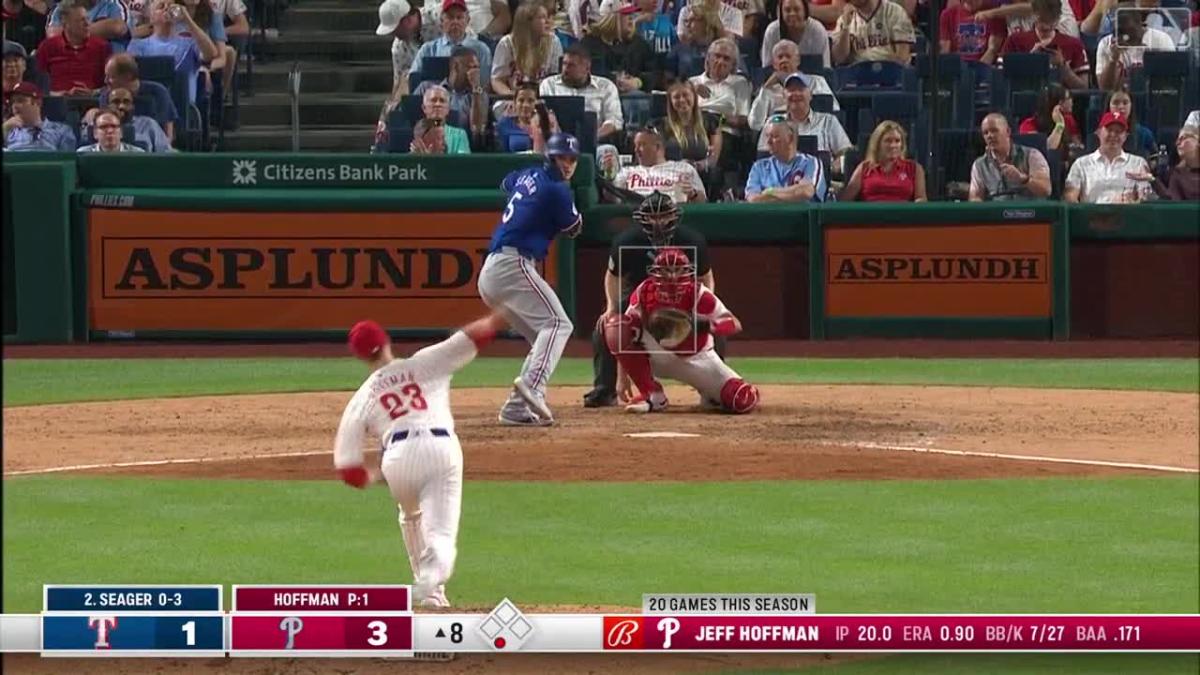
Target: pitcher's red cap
pixel 367 338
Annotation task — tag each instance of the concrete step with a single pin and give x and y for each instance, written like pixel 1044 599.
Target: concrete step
pixel 323 77
pixel 276 138
pixel 326 46
pixel 360 19
pixel 315 109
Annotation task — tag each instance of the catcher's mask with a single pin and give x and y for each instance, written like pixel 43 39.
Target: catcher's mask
pixel 675 274
pixel 658 216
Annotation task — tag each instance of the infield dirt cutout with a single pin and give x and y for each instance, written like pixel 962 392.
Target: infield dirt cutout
pixel 800 433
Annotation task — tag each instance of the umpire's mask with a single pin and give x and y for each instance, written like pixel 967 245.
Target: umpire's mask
pixel 658 216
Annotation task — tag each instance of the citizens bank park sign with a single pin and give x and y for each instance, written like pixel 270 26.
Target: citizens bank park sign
pixel 252 172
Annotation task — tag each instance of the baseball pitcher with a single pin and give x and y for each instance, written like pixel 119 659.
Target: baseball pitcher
pixel 405 403
pixel 540 206
pixel 668 331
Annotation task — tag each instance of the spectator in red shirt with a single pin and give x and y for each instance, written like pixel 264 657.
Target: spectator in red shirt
pixel 971 38
pixel 885 174
pixel 1053 117
pixel 73 59
pixel 1066 52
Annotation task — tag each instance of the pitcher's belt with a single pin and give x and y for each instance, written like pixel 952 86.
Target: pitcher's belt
pixel 405 433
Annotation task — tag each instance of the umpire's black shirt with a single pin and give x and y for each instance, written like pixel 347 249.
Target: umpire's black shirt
pixel 632 254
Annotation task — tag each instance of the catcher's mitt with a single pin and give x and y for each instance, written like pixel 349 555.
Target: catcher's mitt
pixel 669 326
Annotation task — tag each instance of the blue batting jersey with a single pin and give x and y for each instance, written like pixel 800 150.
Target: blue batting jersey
pixel 539 207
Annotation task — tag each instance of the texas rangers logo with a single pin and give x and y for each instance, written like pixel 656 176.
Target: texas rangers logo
pixel 623 633
pixel 103 625
pixel 292 625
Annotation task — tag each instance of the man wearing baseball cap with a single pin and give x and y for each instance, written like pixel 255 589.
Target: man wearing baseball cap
pixel 1107 176
pixel 454 34
pixel 27 131
pixel 797 96
pixel 398 19
pixel 14 71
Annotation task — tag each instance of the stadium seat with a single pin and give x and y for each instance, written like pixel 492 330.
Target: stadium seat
pixel 812 63
pixel 160 69
pixel 1035 141
pixel 1163 78
pixel 808 144
pixel 1024 104
pixel 877 75
pixel 1026 72
pixel 54 108
pixel 822 103
pixel 436 68
pixel 569 111
pixel 658 105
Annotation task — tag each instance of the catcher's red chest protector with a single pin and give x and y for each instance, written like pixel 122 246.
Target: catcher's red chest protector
pixel 684 296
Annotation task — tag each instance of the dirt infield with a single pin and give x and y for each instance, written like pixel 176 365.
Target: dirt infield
pixel 801 432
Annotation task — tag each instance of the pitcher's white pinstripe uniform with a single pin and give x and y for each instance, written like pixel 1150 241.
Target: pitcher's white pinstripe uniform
pixel 406 404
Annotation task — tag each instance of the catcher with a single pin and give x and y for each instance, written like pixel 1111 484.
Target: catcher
pixel 668 331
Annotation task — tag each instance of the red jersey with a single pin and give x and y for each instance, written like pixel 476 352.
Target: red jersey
pixel 1029 126
pixel 688 297
pixel 71 66
pixel 1072 48
pixel 897 185
pixel 968 37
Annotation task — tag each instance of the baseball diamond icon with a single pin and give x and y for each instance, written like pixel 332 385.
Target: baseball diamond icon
pixel 506 627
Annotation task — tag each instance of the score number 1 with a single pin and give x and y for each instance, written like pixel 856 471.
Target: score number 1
pixel 189 629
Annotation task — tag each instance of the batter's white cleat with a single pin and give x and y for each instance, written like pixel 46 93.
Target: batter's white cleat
pixel 523 418
pixel 535 402
pixel 655 402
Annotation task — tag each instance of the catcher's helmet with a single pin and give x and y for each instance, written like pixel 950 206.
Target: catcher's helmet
pixel 672 264
pixel 658 216
pixel 562 144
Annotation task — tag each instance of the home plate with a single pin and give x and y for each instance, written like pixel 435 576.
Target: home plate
pixel 662 434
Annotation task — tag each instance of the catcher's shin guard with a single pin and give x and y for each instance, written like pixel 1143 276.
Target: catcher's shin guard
pixel 738 396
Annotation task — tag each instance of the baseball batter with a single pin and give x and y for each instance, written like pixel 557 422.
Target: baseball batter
pixel 668 331
pixel 539 207
pixel 405 403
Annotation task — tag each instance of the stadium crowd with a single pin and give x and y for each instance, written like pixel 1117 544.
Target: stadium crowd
pixel 756 100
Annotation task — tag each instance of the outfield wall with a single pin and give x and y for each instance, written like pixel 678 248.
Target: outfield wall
pixel 283 246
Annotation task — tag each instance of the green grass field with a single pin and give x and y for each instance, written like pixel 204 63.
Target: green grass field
pixel 1047 545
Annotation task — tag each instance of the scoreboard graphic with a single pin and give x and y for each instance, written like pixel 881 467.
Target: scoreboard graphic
pixel 298 621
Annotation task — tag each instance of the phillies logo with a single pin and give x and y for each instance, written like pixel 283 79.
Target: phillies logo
pixel 669 627
pixel 102 624
pixel 623 633
pixel 293 625
pixel 638 180
pixel 795 178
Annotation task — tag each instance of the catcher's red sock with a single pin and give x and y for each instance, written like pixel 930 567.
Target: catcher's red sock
pixel 637 366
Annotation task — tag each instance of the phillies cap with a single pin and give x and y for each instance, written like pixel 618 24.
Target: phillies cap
pixel 26 88
pixel 798 78
pixel 447 4
pixel 390 14
pixel 1111 117
pixel 366 339
pixel 628 9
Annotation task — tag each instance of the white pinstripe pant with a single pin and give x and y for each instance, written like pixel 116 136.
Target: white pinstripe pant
pixel 424 473
pixel 510 284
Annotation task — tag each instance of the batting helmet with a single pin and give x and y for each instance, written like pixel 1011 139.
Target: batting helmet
pixel 658 216
pixel 562 145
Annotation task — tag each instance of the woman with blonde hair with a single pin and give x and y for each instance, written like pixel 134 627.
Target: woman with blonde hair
pixel 687 134
pixel 530 52
pixel 885 174
pixel 619 52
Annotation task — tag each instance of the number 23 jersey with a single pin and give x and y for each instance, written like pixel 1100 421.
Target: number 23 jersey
pixel 407 393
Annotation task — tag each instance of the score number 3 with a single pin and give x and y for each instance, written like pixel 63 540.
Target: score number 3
pixel 378 633
pixel 398 407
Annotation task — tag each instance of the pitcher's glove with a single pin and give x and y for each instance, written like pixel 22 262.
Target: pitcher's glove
pixel 670 327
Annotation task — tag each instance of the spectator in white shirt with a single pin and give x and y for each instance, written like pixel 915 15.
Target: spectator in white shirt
pixel 454 34
pixel 599 93
pixel 1108 175
pixel 1193 119
pixel 399 20
pixel 721 91
pixel 653 171
pixel 1119 52
pixel 831 137
pixel 530 52
pixel 733 20
pixel 785 60
pixel 488 19
pixel 795 24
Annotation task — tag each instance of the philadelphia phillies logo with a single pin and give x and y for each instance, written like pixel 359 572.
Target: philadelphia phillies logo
pixel 293 625
pixel 102 624
pixel 621 634
pixel 669 627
